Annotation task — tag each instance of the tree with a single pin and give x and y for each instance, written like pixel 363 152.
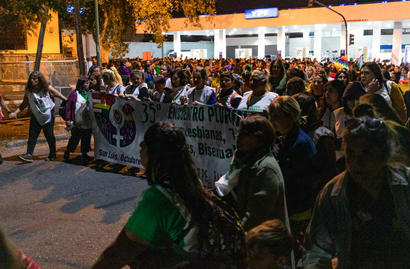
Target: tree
pixel 28 14
pixel 156 15
pixel 118 19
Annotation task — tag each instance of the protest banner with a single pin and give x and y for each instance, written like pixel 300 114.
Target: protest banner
pixel 119 125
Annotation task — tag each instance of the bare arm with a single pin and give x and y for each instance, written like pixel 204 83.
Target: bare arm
pixel 133 97
pixel 3 104
pixel 22 106
pixel 56 93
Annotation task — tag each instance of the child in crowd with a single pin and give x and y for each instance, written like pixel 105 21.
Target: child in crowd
pixel 269 245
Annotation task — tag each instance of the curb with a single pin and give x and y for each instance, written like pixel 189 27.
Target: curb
pixel 19 143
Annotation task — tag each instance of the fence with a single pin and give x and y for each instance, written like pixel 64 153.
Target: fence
pixel 59 72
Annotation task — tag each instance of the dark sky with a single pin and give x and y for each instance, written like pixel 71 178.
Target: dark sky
pixel 239 6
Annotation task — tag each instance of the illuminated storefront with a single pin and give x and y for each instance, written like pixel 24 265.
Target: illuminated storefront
pixel 381 31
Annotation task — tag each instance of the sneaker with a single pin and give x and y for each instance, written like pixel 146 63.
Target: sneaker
pixel 26 157
pixel 66 155
pixel 51 157
pixel 85 158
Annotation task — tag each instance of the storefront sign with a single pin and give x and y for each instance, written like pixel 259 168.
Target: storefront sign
pixel 262 13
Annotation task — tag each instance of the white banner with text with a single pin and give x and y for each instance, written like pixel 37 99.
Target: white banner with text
pixel 119 126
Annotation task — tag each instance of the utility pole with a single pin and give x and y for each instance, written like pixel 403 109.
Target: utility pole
pixel 80 50
pixel 41 41
pixel 97 34
pixel 310 4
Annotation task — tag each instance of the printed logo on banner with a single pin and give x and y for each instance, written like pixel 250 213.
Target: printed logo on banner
pixel 114 120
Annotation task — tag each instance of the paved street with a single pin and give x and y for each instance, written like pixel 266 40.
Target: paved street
pixel 61 214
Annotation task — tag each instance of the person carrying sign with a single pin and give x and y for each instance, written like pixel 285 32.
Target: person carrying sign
pixel 78 120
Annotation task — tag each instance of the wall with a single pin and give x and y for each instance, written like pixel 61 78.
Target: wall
pixel 51 38
pixel 135 49
pixel 251 41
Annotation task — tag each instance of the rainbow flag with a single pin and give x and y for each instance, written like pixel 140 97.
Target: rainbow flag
pixel 341 63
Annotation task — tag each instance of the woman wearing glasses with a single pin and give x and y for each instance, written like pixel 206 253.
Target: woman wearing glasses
pixel 362 217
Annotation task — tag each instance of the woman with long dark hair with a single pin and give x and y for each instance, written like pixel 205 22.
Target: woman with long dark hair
pixel 180 83
pixel 172 214
pixel 277 76
pixel 78 120
pixel 200 94
pixel 38 97
pixel 372 79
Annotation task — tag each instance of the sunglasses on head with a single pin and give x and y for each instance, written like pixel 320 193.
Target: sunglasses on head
pixel 371 124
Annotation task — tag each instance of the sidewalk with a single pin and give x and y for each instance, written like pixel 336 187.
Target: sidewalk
pixel 14 133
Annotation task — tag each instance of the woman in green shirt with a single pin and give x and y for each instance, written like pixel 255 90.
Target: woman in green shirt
pixel 167 228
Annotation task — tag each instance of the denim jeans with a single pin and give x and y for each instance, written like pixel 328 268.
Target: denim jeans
pixel 34 131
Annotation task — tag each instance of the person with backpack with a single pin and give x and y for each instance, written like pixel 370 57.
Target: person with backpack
pixel 138 89
pixel 254 184
pixel 227 96
pixel 38 97
pixel 112 87
pixel 77 117
pixel 176 223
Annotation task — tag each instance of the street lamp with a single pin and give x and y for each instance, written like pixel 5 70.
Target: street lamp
pixel 310 4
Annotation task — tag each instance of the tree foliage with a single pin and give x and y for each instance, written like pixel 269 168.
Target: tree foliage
pixel 27 13
pixel 155 16
pixel 117 18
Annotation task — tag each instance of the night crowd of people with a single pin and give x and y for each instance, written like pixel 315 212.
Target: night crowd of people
pixel 321 180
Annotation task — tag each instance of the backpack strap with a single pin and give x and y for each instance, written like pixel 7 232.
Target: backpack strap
pixel 117 89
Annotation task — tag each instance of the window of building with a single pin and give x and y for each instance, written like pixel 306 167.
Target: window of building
pixel 367 32
pixel 387 32
pixel 295 35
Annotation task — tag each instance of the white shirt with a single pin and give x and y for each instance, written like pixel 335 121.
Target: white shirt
pixel 41 106
pixel 116 90
pixel 137 89
pixel 201 96
pixel 259 106
pixel 168 83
